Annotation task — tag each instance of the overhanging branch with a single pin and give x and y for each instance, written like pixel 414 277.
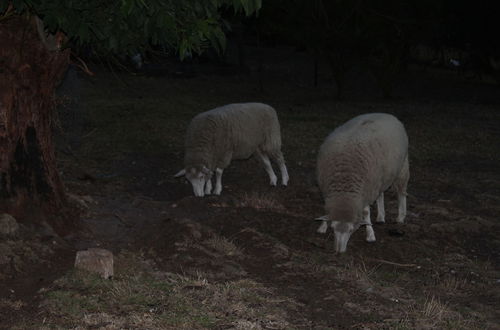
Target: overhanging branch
pixel 51 41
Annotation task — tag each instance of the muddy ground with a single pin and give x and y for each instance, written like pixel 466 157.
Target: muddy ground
pixel 251 258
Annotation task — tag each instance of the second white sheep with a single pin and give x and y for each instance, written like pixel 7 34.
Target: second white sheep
pixel 233 131
pixel 358 162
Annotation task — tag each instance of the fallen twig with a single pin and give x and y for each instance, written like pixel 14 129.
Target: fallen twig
pixel 393 263
pixel 82 65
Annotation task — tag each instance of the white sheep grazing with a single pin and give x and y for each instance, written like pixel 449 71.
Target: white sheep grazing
pixel 233 131
pixel 358 162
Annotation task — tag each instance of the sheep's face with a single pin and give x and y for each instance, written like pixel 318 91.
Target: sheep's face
pixel 343 231
pixel 346 215
pixel 198 178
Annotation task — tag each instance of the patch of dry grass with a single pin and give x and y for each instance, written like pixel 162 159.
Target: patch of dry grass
pixel 434 311
pixel 434 314
pixel 11 304
pixel 223 246
pixel 453 284
pixel 258 200
pixel 364 273
pixel 141 297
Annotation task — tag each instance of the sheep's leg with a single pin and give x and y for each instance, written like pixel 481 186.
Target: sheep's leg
pixel 269 169
pixel 400 186
pixel 208 186
pixel 324 224
pixel 284 174
pixel 380 209
pixel 218 181
pixel 280 160
pixel 401 208
pixel 370 234
pixel 323 227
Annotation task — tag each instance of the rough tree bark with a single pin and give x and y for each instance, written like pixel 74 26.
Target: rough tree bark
pixel 30 186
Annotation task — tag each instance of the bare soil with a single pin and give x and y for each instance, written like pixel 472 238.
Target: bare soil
pixel 122 142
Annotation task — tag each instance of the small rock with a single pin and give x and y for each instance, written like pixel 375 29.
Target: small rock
pixel 95 260
pixel 8 225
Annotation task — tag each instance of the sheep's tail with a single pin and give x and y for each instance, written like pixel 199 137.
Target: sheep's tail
pixel 273 141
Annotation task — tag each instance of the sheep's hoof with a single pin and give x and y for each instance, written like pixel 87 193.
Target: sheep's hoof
pixel 273 180
pixel 380 221
pixel 371 239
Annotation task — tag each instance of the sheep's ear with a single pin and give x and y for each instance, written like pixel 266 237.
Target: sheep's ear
pixel 180 173
pixel 322 218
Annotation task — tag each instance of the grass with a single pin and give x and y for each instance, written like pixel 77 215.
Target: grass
pixel 433 311
pixel 453 284
pixel 224 246
pixel 433 314
pixel 259 200
pixel 141 297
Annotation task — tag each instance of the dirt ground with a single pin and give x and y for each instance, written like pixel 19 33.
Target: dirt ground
pixel 251 258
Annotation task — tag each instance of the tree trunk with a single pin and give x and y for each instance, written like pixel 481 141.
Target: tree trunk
pixel 30 186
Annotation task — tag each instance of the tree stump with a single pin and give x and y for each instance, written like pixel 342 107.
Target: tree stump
pixel 29 73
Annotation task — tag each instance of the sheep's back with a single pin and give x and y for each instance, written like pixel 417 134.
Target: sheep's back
pixel 237 128
pixel 363 156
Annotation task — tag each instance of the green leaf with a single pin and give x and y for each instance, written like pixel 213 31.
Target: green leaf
pixel 122 25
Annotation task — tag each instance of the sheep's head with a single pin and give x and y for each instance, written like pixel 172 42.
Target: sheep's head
pixel 198 177
pixel 346 217
pixel 343 231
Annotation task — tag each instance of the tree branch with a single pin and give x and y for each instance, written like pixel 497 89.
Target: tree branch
pixel 51 41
